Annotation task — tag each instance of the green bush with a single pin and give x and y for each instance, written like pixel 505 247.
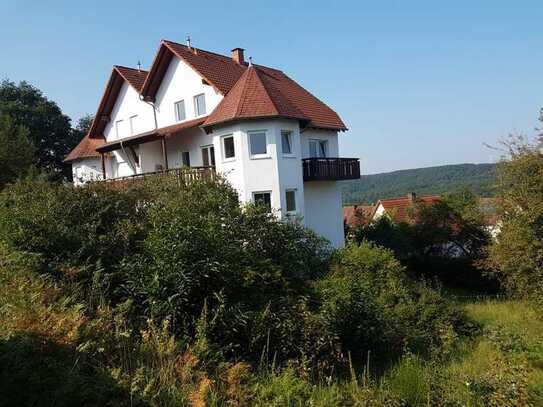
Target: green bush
pixel 371 305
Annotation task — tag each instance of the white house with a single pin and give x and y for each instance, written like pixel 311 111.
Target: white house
pixel 273 140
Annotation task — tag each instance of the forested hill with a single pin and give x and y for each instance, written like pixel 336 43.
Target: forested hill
pixel 480 178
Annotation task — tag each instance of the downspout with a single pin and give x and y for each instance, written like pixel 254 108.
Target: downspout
pixel 164 154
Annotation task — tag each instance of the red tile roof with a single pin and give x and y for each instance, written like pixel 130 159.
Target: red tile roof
pixel 254 95
pixel 357 215
pixel 85 149
pixel 399 208
pixel 224 74
pixel 253 92
pixel 135 77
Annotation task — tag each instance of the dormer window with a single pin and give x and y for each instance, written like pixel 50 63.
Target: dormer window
pixel 200 104
pixel 180 114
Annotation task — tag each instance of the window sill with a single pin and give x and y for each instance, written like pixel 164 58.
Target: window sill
pixel 229 160
pixel 289 155
pixel 260 157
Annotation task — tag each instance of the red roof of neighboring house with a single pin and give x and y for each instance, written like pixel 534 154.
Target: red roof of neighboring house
pixel 357 215
pixel 85 149
pixel 399 208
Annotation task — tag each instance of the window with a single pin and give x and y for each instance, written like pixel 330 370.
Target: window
pixel 208 156
pixel 286 141
pixel 200 104
pixel 257 143
pixel 318 148
pixel 185 159
pixel 262 198
pixel 290 196
pixel 180 110
pixel 133 124
pixel 228 147
pixel 119 128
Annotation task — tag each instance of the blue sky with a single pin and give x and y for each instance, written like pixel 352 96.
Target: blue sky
pixel 418 83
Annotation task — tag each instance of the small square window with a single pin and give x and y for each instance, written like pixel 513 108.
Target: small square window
pixel 228 147
pixel 257 142
pixel 200 104
pixel 185 159
pixel 262 198
pixel 180 114
pixel 286 141
pixel 291 200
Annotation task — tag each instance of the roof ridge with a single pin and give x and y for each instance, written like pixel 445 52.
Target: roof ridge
pixel 132 69
pixel 265 89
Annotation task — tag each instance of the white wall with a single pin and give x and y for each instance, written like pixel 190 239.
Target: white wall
pixel 181 82
pixel 128 104
pixel 329 135
pixel 323 211
pixel 86 169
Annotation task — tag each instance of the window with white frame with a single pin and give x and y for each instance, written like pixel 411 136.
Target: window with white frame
pixel 208 156
pixel 133 124
pixel 286 142
pixel 262 198
pixel 257 144
pixel 290 198
pixel 318 148
pixel 119 125
pixel 229 151
pixel 200 104
pixel 180 114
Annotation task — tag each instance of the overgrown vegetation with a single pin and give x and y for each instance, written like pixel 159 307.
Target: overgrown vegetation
pixel 446 241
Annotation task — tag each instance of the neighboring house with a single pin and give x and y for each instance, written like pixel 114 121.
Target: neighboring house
pixel 400 210
pixel 490 209
pixel 356 215
pixel 274 141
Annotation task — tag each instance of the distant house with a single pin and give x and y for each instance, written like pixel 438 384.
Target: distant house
pixel 356 215
pixel 399 210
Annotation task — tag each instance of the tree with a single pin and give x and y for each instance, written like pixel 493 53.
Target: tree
pixel 49 129
pixel 517 255
pixel 16 151
pixel 83 126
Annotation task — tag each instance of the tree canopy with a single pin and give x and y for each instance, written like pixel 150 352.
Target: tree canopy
pixel 48 129
pixel 16 151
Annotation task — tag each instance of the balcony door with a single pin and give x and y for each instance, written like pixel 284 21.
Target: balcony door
pixel 208 156
pixel 318 148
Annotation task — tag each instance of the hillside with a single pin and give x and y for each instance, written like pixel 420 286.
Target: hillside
pixel 432 180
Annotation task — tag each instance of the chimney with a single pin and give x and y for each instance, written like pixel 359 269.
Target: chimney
pixel 411 196
pixel 237 56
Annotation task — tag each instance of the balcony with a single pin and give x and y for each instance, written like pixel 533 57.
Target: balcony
pixel 186 174
pixel 330 169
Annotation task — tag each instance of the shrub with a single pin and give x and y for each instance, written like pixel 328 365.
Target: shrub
pixel 371 305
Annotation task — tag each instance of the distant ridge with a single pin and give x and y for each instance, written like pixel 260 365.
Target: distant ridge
pixel 480 178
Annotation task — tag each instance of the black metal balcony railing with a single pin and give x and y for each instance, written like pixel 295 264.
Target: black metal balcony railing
pixel 187 174
pixel 330 169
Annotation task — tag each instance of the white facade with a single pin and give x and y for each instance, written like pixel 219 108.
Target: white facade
pixel 277 171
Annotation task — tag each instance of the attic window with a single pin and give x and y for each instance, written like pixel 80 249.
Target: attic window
pixel 200 104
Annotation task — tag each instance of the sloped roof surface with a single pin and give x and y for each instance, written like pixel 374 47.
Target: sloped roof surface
pixel 85 149
pixel 135 77
pixel 398 208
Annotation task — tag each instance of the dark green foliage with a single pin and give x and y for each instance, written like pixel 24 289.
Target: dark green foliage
pixel 16 151
pixel 48 128
pixel 479 178
pixel 35 371
pixel 371 305
pixel 517 256
pixel 446 240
